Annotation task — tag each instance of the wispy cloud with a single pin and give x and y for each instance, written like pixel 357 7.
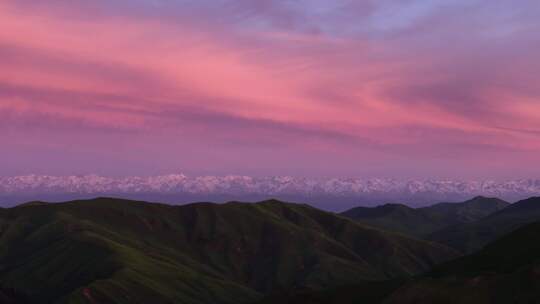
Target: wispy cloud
pixel 345 84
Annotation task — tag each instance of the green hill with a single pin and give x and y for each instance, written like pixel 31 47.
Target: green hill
pixel 505 271
pixel 394 217
pixel 465 212
pixel 117 251
pixel 473 236
pixel 421 222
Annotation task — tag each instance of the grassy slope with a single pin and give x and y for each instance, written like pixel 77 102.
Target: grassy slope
pixel 394 217
pixel 473 236
pixel 115 251
pixel 421 222
pixel 505 271
pixel 465 212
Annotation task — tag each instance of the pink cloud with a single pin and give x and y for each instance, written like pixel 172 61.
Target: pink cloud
pixel 360 97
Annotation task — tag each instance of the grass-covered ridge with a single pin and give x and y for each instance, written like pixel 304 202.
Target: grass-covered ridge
pixel 505 271
pixel 117 251
pixel 471 237
pixel 425 221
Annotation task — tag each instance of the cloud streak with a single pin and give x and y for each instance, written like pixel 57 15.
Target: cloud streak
pixel 302 86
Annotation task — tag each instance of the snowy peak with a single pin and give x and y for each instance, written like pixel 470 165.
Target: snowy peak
pixel 276 185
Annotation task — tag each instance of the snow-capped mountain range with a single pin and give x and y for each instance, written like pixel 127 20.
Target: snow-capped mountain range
pixel 263 186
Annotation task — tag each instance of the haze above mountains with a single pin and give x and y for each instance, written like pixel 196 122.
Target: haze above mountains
pixel 336 194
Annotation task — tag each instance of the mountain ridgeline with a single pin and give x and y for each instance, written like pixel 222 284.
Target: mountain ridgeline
pixel 472 236
pixel 466 226
pixel 116 251
pixel 108 250
pixel 421 222
pixel 503 264
pixel 505 271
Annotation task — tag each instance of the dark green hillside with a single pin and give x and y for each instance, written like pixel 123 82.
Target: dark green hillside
pixel 472 236
pixel 465 212
pixel 505 271
pixel 421 222
pixel 118 251
pixel 394 217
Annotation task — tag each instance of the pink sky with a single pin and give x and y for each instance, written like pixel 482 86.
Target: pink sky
pixel 316 88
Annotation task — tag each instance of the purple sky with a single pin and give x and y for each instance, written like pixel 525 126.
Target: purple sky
pixel 387 88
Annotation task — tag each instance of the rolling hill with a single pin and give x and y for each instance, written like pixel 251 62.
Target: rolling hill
pixel 394 217
pixel 470 237
pixel 117 251
pixel 421 222
pixel 505 271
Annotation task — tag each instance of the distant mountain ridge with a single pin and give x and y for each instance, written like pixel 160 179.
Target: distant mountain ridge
pixel 466 226
pixel 507 270
pixel 504 266
pixel 470 237
pixel 183 188
pixel 421 222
